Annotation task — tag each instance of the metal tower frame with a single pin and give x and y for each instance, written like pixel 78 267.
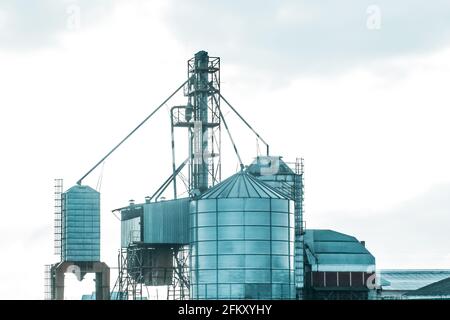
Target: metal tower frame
pixel 201 116
pixel 130 283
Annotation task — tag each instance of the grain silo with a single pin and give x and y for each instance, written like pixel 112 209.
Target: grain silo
pixel 242 242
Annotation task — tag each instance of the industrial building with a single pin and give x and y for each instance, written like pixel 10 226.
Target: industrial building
pixel 337 266
pixel 408 284
pixel 242 237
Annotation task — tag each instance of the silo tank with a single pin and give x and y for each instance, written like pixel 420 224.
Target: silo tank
pixel 81 224
pixel 242 242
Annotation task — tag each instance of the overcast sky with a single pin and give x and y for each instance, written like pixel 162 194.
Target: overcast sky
pixel 357 88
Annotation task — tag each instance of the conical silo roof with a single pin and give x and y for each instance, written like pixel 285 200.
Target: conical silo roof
pixel 242 185
pixel 81 188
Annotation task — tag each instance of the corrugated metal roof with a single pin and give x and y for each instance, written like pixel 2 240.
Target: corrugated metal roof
pixel 407 280
pixel 329 250
pixel 439 288
pixel 242 185
pixel 79 189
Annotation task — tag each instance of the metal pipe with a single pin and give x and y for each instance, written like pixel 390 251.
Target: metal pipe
pixel 166 183
pixel 232 141
pixel 173 153
pixel 129 135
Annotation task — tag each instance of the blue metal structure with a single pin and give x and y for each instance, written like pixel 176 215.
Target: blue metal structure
pixel 77 240
pixel 242 245
pixel 243 238
pixel 163 222
pixel 81 224
pixel 337 266
pixel 395 283
pixel 279 175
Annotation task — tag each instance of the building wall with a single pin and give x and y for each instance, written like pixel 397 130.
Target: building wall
pixel 166 222
pixel 130 231
pixel 340 279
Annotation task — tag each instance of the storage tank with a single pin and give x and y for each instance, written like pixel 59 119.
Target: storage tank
pixel 81 224
pixel 242 242
pixel 278 174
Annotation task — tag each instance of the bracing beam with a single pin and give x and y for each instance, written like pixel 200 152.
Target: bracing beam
pixel 131 133
pixel 246 123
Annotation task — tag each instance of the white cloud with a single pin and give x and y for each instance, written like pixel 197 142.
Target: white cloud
pixel 26 25
pixel 282 39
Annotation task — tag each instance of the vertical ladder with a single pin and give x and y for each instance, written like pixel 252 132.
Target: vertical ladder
pixel 48 282
pixel 299 229
pixel 58 228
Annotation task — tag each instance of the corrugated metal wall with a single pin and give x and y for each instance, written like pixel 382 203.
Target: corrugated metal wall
pixel 130 231
pixel 242 248
pixel 81 224
pixel 167 222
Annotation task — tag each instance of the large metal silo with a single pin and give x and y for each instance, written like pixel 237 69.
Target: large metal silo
pixel 242 242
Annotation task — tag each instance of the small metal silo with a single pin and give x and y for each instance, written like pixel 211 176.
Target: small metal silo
pixel 81 224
